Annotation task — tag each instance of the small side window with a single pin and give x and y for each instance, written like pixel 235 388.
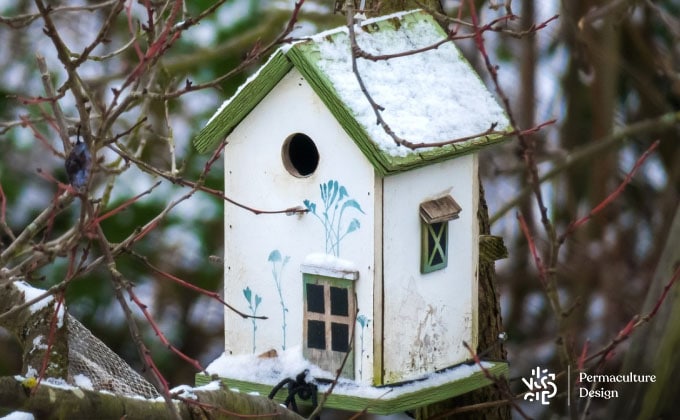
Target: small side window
pixel 435 247
pixel 435 216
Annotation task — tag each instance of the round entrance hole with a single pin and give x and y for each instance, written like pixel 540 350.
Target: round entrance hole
pixel 300 155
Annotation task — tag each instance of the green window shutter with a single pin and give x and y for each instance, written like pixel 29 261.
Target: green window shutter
pixel 434 248
pixel 435 216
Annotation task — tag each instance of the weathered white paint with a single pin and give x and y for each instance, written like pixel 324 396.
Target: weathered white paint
pixel 255 175
pixel 427 316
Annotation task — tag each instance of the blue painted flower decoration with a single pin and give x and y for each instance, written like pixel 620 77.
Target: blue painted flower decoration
pixel 336 201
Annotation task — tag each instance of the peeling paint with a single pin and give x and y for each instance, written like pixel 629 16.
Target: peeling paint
pixel 429 342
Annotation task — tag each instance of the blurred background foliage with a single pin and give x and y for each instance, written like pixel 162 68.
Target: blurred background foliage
pixel 191 233
pixel 602 67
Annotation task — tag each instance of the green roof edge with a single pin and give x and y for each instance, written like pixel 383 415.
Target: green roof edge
pixel 303 56
pixel 384 405
pixel 243 101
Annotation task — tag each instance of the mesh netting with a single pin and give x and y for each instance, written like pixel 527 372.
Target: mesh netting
pixel 89 356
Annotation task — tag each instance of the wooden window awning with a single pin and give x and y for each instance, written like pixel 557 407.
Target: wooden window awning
pixel 439 210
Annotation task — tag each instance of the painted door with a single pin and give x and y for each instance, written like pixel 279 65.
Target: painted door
pixel 329 315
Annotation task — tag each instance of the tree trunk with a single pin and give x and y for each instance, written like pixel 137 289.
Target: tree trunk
pixel 35 327
pixel 655 349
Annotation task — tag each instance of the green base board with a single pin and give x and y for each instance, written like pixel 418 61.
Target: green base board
pixel 387 404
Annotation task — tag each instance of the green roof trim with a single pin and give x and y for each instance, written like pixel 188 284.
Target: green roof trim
pixel 306 57
pixel 387 404
pixel 244 100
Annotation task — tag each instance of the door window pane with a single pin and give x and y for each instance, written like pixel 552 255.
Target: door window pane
pixel 339 301
pixel 315 301
pixel 316 334
pixel 339 337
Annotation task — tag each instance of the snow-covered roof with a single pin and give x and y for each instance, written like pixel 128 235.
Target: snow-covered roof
pixel 426 97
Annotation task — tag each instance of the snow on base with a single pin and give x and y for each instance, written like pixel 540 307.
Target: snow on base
pixel 290 363
pixel 184 391
pixel 82 381
pixel 269 370
pixel 210 386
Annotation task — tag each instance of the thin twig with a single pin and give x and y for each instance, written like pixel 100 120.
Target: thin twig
pixel 635 322
pixel 357 52
pixel 3 215
pixel 591 151
pixel 56 108
pixel 186 284
pixel 120 283
pixel 532 249
pixel 101 35
pixel 34 227
pixel 611 197
pixel 21 21
pixel 154 325
pixel 500 383
pixel 198 186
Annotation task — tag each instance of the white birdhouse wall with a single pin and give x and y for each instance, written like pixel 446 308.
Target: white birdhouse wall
pixel 428 315
pixel 264 253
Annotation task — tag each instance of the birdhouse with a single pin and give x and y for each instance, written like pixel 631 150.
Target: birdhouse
pixel 374 278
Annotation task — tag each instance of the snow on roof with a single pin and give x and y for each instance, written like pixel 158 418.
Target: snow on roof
pixel 426 97
pixel 430 96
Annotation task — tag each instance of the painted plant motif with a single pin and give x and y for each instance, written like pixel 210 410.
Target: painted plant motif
pixel 278 264
pixel 252 305
pixel 336 201
pixel 363 321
